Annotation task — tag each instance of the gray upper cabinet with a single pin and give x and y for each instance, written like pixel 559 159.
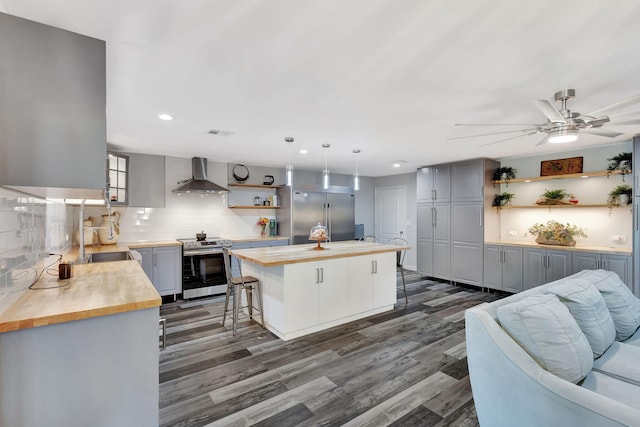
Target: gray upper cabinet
pixel 52 106
pixel 434 184
pixel 468 179
pixel 146 180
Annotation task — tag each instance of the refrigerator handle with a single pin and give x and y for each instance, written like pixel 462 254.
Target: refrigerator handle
pixel 328 216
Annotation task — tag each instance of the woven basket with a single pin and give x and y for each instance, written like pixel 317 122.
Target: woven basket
pixel 542 241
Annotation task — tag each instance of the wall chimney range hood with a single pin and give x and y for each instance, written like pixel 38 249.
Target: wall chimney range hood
pixel 199 184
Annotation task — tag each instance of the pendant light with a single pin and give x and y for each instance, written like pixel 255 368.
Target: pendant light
pixel 356 177
pixel 325 172
pixel 289 168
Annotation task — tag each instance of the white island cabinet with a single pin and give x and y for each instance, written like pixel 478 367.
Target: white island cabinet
pixel 307 290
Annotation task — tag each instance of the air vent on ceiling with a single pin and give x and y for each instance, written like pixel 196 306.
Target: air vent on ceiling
pixel 220 132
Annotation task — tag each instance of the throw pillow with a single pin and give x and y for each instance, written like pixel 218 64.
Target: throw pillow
pixel 545 329
pixel 590 311
pixel 623 306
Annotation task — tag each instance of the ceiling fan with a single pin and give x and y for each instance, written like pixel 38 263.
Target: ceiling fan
pixel 565 125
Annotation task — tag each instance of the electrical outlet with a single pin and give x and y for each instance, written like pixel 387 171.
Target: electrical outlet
pixel 513 233
pixel 620 238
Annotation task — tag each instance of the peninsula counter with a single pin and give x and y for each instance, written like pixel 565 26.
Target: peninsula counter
pixel 306 290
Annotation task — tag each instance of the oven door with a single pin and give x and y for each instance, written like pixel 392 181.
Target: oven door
pixel 203 274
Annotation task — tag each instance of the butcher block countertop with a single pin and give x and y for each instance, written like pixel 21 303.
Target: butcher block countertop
pixel 578 248
pixel 97 289
pixel 281 255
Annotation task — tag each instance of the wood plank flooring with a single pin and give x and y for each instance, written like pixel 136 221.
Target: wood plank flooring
pixel 406 367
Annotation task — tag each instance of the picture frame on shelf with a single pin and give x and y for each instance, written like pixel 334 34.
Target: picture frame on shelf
pixel 561 166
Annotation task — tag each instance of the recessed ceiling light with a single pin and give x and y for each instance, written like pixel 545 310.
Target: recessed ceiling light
pixel 398 163
pixel 165 117
pixel 303 151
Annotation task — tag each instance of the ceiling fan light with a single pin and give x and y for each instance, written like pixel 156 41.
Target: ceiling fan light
pixel 562 135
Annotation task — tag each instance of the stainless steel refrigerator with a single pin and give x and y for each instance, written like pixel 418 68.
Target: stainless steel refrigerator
pixel 303 206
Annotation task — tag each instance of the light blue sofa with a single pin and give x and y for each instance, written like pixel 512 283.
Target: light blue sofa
pixel 530 366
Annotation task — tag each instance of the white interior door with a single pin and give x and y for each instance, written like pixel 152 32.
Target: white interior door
pixel 390 213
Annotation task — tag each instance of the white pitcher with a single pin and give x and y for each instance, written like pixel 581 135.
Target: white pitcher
pixel 103 231
pixel 89 233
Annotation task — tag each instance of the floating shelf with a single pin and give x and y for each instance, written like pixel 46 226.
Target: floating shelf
pixel 255 186
pixel 567 176
pixel 252 207
pixel 551 206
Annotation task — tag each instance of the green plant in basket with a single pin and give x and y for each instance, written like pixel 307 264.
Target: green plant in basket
pixel 614 195
pixel 555 233
pixel 558 194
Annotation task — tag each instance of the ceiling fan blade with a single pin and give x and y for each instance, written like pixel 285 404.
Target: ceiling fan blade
pixel 543 141
pixel 507 139
pixel 549 111
pixel 621 104
pixel 493 133
pixel 601 132
pixel 627 122
pixel 623 117
pixel 496 124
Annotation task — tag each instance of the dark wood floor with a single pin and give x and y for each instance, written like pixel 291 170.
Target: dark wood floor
pixel 406 367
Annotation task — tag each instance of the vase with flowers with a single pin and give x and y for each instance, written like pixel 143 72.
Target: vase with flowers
pixel 554 233
pixel 264 222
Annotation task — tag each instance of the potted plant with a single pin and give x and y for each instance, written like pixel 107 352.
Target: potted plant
pixel 503 199
pixel 623 161
pixel 619 196
pixel 553 197
pixel 504 173
pixel 554 233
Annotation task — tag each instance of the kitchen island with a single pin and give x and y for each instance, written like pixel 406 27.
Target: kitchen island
pixel 82 351
pixel 306 290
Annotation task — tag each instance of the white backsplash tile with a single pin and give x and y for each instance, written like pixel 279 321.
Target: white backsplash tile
pixel 30 229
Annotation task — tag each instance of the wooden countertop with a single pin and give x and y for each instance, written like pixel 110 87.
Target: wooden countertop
pixel 94 290
pixel 293 254
pixel 578 248
pixel 254 238
pixel 151 243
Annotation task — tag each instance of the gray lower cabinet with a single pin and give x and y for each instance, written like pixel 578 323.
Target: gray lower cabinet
pixel 541 266
pixel 434 244
pixel 467 243
pixel 619 264
pixel 235 270
pixel 503 268
pixel 163 266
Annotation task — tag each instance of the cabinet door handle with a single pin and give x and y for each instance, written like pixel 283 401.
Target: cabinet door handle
pixel 163 328
pixel 321 274
pixel 434 194
pixel 372 268
pixel 317 275
pixel 435 221
pixel 375 266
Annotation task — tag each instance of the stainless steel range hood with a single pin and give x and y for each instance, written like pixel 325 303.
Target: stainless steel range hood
pixel 199 184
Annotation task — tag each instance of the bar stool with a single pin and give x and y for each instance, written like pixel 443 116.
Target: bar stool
pixel 235 285
pixel 398 241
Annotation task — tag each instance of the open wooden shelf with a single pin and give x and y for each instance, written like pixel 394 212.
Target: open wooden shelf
pixel 552 206
pixel 252 207
pixel 567 176
pixel 255 186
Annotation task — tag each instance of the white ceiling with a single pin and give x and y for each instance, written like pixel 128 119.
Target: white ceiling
pixel 390 77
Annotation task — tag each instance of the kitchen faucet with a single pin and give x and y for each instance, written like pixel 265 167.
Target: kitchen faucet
pixel 82 257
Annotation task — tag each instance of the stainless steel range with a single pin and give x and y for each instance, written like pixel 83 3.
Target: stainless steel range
pixel 203 271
